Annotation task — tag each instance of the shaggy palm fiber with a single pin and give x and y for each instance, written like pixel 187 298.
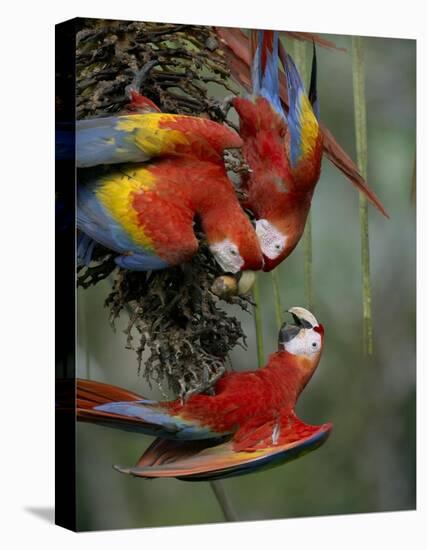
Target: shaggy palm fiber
pixel 173 313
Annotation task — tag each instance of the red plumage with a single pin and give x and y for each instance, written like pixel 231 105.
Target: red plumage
pixel 245 400
pixel 242 401
pixel 276 192
pixel 155 204
pixel 237 47
pixel 140 104
pixel 210 139
pixel 283 142
pixel 185 187
pixel 247 424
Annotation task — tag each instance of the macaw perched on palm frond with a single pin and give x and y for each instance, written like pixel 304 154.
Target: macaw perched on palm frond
pixel 283 148
pixel 145 212
pixel 247 425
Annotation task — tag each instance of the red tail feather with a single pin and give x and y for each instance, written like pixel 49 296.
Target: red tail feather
pixel 162 451
pixel 310 37
pixel 343 162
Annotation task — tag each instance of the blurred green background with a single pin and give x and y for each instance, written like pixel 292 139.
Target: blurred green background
pixel 368 463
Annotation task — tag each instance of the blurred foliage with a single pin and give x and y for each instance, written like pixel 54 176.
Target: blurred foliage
pixel 368 463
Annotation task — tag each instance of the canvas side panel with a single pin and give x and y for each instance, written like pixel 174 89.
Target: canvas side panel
pixel 65 302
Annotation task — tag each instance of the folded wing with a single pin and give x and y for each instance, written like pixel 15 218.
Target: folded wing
pixel 304 130
pixel 105 215
pixel 140 137
pixel 107 405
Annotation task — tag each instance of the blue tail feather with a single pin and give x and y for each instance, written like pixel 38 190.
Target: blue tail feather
pixel 155 418
pixel 85 247
pixel 266 82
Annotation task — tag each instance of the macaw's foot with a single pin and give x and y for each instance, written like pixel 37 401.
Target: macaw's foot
pixel 140 75
pixel 139 103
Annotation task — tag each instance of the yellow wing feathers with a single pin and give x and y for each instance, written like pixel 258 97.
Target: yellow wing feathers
pixel 309 128
pixel 149 135
pixel 116 194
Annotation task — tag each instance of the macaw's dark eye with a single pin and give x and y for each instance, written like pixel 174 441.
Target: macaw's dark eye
pixel 278 247
pixel 314 345
pixel 233 252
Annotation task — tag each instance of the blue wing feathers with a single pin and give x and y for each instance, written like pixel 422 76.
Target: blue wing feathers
pixel 295 88
pixel 270 82
pixel 141 262
pixel 266 83
pixel 97 224
pixel 157 417
pixel 99 142
pixel 85 246
pixel 269 460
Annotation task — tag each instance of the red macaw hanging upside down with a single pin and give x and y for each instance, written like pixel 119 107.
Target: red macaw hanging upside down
pixel 283 149
pixel 249 423
pixel 145 212
pixel 239 54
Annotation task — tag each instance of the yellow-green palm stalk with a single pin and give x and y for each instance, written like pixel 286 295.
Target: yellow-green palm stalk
pixel 362 161
pixel 300 54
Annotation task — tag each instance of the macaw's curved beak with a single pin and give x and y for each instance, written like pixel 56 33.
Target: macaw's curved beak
pixel 254 265
pixel 302 319
pixel 269 264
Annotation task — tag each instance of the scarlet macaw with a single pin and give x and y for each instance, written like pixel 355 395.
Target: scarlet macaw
pixel 145 212
pixel 283 149
pixel 248 424
pixel 238 52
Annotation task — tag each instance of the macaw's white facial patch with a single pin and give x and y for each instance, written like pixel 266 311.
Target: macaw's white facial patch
pixel 272 241
pixel 306 342
pixel 227 254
